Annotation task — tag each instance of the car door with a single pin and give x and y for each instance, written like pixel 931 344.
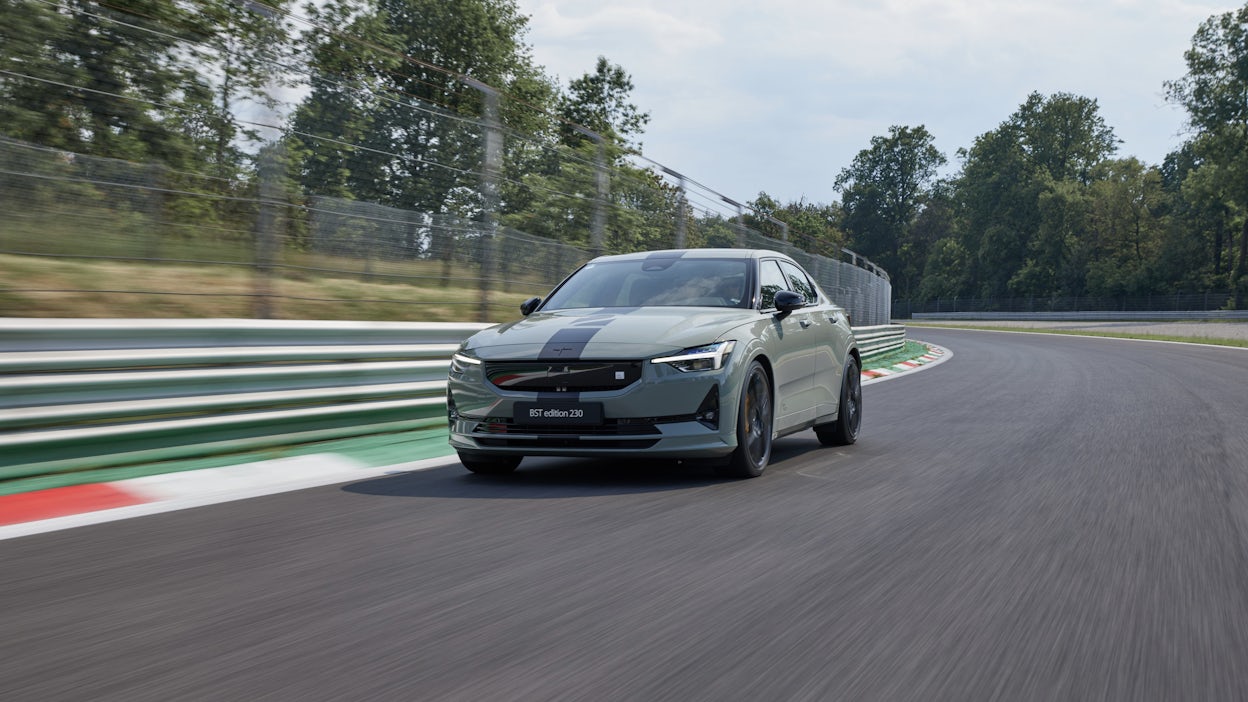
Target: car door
pixel 828 334
pixel 791 351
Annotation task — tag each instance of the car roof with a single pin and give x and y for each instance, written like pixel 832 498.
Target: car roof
pixel 695 253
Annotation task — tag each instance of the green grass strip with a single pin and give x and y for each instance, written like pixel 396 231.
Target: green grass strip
pixel 910 351
pixel 1208 341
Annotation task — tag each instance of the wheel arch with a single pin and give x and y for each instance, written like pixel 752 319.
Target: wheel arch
pixel 771 375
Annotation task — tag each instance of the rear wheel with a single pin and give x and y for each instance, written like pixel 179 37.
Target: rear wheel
pixel 754 422
pixel 486 464
pixel 844 431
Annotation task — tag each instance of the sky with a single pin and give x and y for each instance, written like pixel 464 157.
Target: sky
pixel 780 95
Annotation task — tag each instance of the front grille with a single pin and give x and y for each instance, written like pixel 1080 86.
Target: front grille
pixel 567 376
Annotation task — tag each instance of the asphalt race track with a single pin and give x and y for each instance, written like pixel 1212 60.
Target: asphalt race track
pixel 1039 518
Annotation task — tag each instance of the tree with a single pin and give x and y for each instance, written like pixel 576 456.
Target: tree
pixel 812 227
pixel 32 107
pixel 1198 217
pixel 444 42
pixel 1063 135
pixel 95 78
pixel 600 101
pixel 1008 174
pixel 1056 260
pixel 1127 224
pixel 883 190
pixel 350 53
pixel 1213 93
pixel 249 45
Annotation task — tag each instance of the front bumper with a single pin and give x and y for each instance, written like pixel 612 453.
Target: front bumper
pixel 663 414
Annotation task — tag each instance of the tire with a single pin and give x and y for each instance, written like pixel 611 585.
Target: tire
pixel 485 464
pixel 844 431
pixel 755 414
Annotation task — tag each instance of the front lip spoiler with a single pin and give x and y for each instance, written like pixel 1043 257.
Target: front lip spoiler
pixel 689 439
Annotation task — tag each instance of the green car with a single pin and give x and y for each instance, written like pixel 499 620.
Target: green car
pixel 700 354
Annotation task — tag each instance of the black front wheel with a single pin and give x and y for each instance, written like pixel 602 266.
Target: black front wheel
pixel 754 425
pixel 844 431
pixel 486 464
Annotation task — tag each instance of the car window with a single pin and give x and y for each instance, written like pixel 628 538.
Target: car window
pixel 799 283
pixel 668 282
pixel 771 281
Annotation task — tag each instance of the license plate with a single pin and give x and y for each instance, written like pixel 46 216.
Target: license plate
pixel 555 412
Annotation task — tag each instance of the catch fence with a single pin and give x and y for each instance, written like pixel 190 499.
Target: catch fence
pixel 170 237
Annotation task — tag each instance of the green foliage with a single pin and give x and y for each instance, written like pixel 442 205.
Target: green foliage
pixel 1213 93
pixel 247 48
pixel 884 189
pixel 1023 198
pixel 96 80
pixel 599 101
pixel 1127 223
pixel 1063 135
pixel 813 227
pixel 945 272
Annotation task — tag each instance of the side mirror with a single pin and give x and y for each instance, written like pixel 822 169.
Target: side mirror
pixel 527 307
pixel 787 301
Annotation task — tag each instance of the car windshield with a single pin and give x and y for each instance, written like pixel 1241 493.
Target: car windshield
pixel 665 282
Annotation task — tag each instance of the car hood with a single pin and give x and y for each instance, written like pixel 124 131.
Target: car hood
pixel 606 333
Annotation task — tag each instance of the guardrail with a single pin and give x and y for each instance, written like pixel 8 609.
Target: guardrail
pixel 874 341
pixel 1158 316
pixel 88 394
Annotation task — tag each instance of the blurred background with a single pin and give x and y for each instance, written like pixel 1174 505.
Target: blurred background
pixel 408 161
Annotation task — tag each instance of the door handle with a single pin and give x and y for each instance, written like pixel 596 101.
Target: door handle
pixel 804 322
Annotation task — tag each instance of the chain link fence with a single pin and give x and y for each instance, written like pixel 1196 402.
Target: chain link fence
pixel 313 256
pixel 471 204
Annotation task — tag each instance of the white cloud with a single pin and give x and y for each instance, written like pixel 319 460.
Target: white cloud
pixel 581 28
pixel 779 96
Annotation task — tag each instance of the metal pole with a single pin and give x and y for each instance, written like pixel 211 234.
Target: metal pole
pixel 491 168
pixel 155 206
pixel 740 220
pixel 682 208
pixel 599 226
pixel 270 170
pixel 682 217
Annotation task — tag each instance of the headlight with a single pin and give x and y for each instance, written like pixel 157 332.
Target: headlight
pixel 699 358
pixel 460 363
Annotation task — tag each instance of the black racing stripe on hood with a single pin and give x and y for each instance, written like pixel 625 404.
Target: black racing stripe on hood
pixel 569 343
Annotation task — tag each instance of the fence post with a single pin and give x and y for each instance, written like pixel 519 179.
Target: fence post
pixel 491 167
pixel 682 207
pixel 599 227
pixel 741 243
pixel 155 207
pixel 269 172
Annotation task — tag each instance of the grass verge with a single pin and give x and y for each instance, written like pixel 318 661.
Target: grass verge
pixel 910 351
pixel 1239 343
